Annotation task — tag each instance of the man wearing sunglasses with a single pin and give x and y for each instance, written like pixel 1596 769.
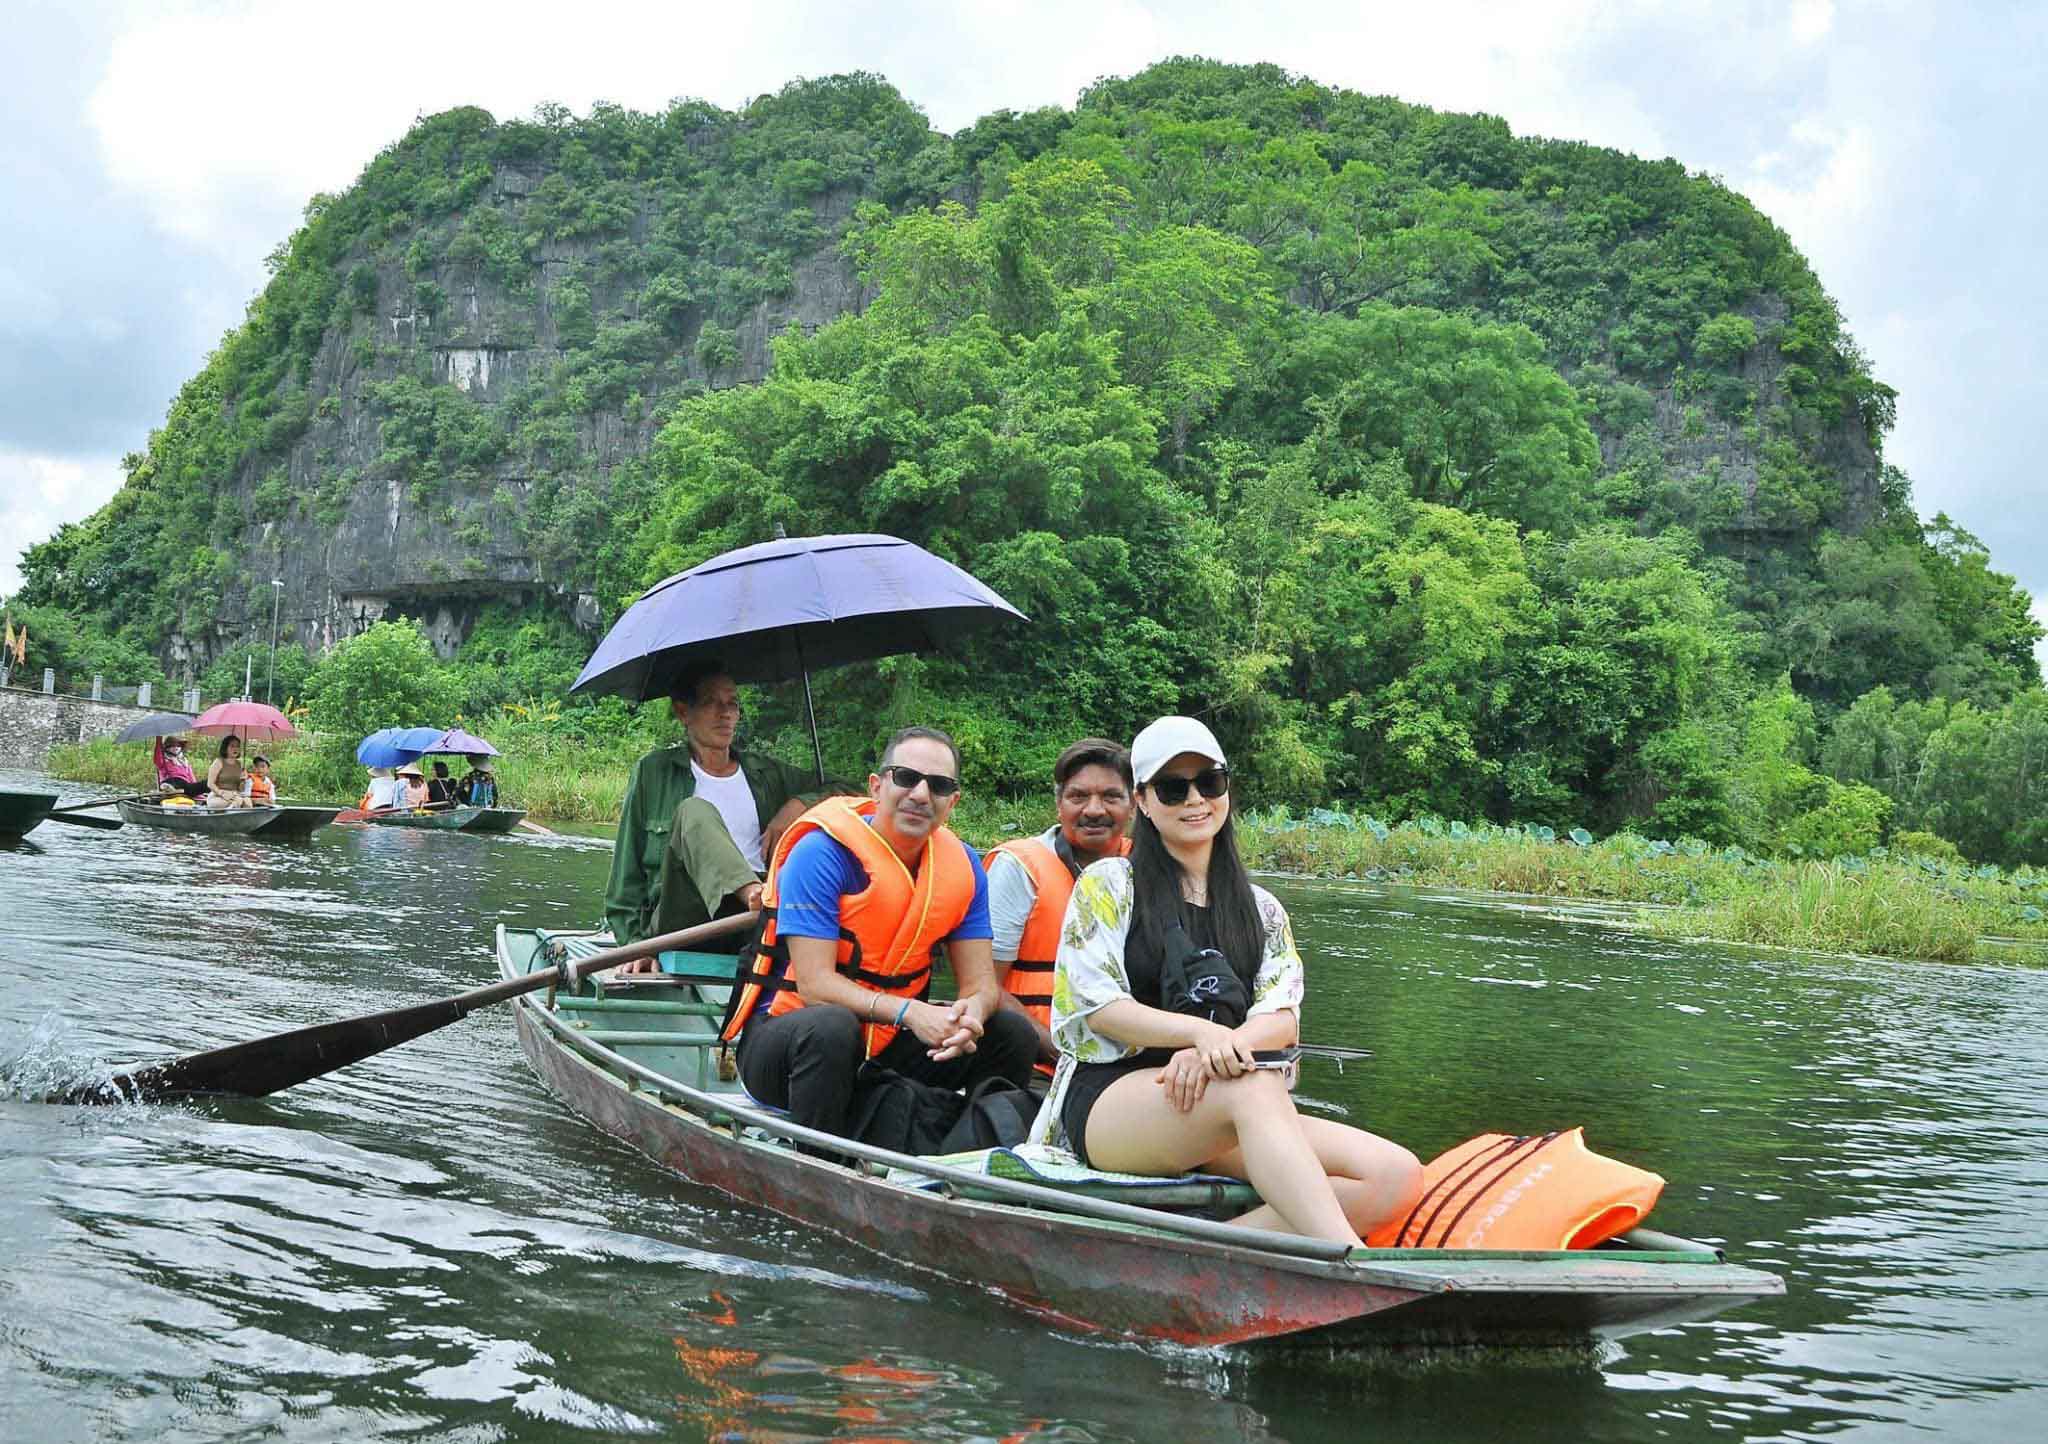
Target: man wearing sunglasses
pixel 1031 878
pixel 863 898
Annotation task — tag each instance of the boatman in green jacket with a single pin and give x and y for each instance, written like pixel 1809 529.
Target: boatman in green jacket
pixel 700 820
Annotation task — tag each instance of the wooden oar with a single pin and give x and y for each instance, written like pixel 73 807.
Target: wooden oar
pixel 536 827
pixel 103 802
pixel 105 824
pixel 254 1070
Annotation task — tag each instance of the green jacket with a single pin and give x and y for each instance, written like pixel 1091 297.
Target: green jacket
pixel 661 780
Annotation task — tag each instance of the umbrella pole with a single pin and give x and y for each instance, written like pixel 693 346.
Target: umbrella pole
pixel 810 712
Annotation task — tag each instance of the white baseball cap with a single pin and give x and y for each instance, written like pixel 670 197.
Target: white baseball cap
pixel 1167 739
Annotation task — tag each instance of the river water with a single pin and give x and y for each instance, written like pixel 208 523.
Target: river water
pixel 428 1247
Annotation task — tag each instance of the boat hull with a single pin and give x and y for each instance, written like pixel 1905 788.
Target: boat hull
pixel 452 819
pixel 290 823
pixel 227 822
pixel 1092 1276
pixel 495 819
pixel 21 811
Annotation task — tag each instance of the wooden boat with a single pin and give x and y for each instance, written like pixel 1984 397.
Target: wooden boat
pixel 447 819
pixel 21 811
pixel 226 821
pixel 495 819
pixel 293 822
pixel 637 1057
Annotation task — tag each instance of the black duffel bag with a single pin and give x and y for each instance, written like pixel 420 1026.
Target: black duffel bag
pixel 906 1116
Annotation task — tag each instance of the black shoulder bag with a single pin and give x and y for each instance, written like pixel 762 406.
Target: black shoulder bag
pixel 1200 981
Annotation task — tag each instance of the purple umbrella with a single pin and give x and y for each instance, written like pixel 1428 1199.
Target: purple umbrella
pixel 772 612
pixel 461 744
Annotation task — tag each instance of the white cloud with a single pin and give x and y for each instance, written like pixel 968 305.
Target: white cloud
pixel 38 493
pixel 1812 20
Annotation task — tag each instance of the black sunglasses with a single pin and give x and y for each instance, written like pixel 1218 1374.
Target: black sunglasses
pixel 907 778
pixel 1173 791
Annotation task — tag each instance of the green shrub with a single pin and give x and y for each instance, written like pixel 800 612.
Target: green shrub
pixel 717 348
pixel 1927 845
pixel 1724 340
pixel 387 676
pixel 1849 824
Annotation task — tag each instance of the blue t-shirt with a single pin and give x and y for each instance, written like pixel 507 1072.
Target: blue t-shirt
pixel 820 870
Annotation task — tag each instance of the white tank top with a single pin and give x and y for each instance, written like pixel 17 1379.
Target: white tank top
pixel 735 803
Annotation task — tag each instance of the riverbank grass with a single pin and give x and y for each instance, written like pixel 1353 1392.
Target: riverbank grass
pixel 1878 905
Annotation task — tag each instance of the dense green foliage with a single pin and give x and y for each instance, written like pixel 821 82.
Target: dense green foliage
pixel 1447 471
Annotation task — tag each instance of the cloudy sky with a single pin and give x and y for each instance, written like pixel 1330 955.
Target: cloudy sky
pixel 158 151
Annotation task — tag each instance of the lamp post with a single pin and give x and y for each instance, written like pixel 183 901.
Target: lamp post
pixel 270 686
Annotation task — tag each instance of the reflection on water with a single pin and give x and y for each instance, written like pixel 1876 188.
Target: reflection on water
pixel 427 1246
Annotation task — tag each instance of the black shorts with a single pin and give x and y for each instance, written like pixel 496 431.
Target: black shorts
pixel 1087 1085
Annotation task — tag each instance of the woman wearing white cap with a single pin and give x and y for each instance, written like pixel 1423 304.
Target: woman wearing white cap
pixel 1142 1089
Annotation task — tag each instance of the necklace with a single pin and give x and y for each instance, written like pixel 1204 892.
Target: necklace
pixel 1198 895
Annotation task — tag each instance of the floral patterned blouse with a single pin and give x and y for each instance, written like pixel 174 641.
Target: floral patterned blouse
pixel 1089 975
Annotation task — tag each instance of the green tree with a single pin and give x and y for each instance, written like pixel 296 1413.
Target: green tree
pixel 385 676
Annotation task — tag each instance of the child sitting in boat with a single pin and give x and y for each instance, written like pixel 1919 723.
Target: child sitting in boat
pixel 1158 1084
pixel 259 789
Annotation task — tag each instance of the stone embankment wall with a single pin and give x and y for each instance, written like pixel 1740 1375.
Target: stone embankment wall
pixel 31 723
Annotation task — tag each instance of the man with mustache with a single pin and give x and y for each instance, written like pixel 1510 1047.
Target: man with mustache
pixel 1031 878
pixel 862 897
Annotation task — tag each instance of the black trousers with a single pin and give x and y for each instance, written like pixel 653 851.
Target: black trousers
pixel 805 1061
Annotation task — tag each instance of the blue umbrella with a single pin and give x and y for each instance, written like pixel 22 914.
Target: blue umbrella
pixel 396 746
pixel 772 612
pixel 416 739
pixel 380 749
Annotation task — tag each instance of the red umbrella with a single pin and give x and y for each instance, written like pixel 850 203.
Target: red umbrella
pixel 245 720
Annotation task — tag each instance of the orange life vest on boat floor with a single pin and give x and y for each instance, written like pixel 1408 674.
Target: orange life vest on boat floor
pixel 888 931
pixel 1533 1191
pixel 1029 979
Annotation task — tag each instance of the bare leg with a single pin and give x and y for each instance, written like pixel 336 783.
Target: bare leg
pixel 1134 1129
pixel 1374 1179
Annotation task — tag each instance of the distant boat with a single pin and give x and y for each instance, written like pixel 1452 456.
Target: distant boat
pixel 216 822
pixel 294 821
pixel 21 811
pixel 495 819
pixel 446 819
pixel 1134 1259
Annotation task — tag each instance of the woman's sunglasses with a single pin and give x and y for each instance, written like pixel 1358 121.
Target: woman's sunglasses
pixel 907 778
pixel 1173 791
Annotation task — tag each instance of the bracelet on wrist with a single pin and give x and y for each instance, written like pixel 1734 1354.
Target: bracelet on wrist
pixel 902 1013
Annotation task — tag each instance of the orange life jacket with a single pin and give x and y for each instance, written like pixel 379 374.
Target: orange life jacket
pixel 261 790
pixel 1535 1191
pixel 888 931
pixel 1029 979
